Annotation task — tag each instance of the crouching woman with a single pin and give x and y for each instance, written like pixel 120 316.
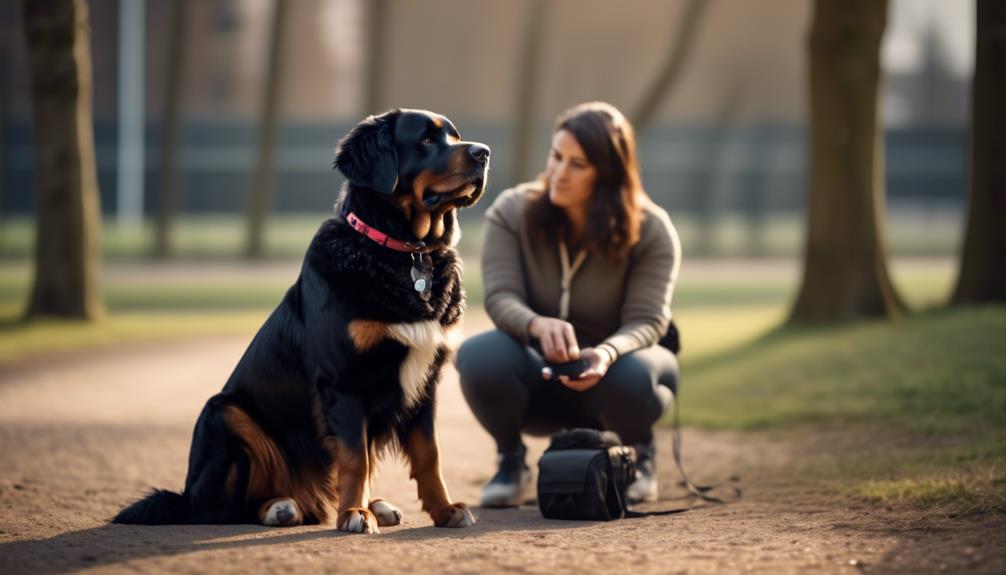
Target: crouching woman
pixel 578 264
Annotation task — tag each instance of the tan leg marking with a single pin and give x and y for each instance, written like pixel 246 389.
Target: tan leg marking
pixel 354 490
pixel 424 461
pixel 269 477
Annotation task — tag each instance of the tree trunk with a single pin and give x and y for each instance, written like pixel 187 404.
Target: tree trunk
pixel 68 215
pixel 845 265
pixel 167 196
pixel 5 88
pixel 983 275
pixel 525 114
pixel 377 37
pixel 259 202
pixel 677 58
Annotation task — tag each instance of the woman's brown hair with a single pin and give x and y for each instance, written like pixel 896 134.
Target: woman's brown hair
pixel 616 203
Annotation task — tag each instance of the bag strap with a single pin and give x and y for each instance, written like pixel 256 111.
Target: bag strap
pixel 630 514
pixel 695 491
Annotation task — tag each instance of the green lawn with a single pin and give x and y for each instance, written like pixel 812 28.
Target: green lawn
pixel 287 235
pixel 149 309
pixel 40 339
pixel 917 407
pixel 715 310
pixel 937 373
pixel 196 237
pixel 207 237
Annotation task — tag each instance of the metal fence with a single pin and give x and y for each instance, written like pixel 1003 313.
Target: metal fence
pixel 693 169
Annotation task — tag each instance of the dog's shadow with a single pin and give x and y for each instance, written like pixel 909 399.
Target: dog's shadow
pixel 524 518
pixel 115 544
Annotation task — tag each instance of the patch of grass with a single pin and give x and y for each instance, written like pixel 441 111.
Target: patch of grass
pixel 935 373
pixel 42 338
pixel 221 236
pixel 964 475
pixel 974 491
pixel 874 465
pixel 184 293
pixel 708 330
pixel 196 237
pixel 919 403
pixel 715 312
pixel 213 297
pixel 720 294
pixel 147 309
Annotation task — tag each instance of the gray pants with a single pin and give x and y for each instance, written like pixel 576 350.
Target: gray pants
pixel 501 380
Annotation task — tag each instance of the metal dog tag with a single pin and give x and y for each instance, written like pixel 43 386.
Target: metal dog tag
pixel 420 282
pixel 420 275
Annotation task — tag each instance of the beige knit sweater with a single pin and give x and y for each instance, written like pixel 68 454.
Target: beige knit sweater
pixel 622 304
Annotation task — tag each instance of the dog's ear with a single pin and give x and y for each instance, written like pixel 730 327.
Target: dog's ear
pixel 367 156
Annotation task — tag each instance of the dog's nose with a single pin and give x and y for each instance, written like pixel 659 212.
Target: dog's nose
pixel 479 152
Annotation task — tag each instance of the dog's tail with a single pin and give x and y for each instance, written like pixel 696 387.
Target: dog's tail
pixel 161 507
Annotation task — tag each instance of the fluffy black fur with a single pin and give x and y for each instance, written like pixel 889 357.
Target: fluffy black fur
pixel 302 362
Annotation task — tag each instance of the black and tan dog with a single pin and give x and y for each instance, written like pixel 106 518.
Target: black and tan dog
pixel 348 364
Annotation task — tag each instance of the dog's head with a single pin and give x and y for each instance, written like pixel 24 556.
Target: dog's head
pixel 416 160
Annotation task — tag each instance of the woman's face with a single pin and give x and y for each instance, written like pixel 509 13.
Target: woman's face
pixel 570 175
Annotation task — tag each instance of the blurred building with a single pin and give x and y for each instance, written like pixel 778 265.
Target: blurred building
pixel 730 137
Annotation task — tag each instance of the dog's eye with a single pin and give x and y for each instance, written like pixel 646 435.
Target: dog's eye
pixel 428 140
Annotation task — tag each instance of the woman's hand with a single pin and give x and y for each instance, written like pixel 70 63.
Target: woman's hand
pixel 598 363
pixel 558 341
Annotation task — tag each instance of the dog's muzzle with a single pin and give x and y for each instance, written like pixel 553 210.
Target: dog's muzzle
pixel 463 195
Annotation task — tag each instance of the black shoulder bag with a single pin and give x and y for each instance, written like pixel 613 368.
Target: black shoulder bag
pixel 584 473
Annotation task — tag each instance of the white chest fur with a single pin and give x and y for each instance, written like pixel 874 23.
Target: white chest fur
pixel 424 340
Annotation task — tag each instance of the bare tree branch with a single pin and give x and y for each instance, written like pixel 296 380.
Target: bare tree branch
pixel 663 86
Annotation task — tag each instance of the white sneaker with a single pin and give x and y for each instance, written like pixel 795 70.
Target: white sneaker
pixel 509 487
pixel 644 488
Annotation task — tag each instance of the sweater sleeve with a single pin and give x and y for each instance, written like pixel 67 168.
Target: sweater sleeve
pixel 646 311
pixel 503 268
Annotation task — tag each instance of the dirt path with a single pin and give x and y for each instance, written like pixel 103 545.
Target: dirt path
pixel 81 436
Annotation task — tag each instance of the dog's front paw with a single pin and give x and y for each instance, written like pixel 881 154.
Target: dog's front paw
pixel 386 513
pixel 454 515
pixel 357 520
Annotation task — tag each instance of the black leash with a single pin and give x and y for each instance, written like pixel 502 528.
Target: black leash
pixel 695 492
